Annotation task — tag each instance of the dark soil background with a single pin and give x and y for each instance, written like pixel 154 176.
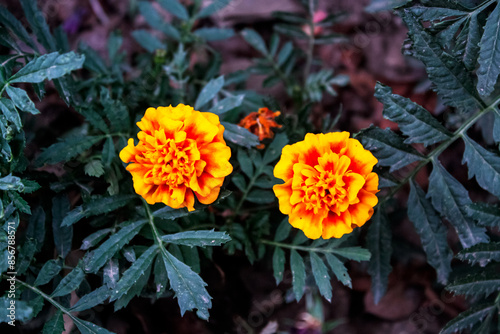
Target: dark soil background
pixel 246 299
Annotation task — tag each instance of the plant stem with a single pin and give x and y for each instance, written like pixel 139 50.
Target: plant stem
pixel 296 247
pixel 444 145
pixel 310 43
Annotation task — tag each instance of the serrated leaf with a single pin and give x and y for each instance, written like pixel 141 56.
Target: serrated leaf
pixel 485 214
pixel 259 196
pixel 48 67
pixel 148 41
pixel 489 54
pixel 209 92
pixel 21 99
pixel 450 198
pixel 379 244
pixel 175 8
pixel 413 120
pixel 240 136
pixel 214 34
pixel 108 152
pixel 10 22
pixel 55 324
pixel 245 162
pixel 432 232
pixel 69 283
pixel 389 148
pixel 468 318
pixel 482 164
pixel 63 235
pixel 481 253
pixel 477 284
pixel 188 286
pixel 227 104
pixel 9 111
pixel 11 182
pixel 136 270
pixel 339 270
pixel 66 149
pixel 94 238
pixel 472 46
pixel 86 327
pixel 353 253
pixel 298 274
pixel 321 276
pixel 283 230
pixel 197 238
pixel 96 206
pixel 274 150
pixel 23 312
pixel 154 19
pixel 94 168
pixel 170 213
pixel 38 24
pixel 451 79
pixel 50 269
pixel 496 127
pixel 101 255
pixel 278 264
pixel 92 299
pixel 255 40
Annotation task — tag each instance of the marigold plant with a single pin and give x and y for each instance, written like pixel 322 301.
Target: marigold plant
pixel 260 123
pixel 181 153
pixel 329 185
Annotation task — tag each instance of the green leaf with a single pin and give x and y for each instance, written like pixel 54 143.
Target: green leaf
pixel 170 213
pixel 10 22
pixel 23 312
pixel 212 8
pixel 98 258
pixel 283 230
pixel 450 198
pixel 379 243
pixel 388 148
pixel 481 253
pixel 9 111
pixel 188 286
pixel 452 81
pixel 66 149
pixel 468 318
pixel 240 136
pixel 148 41
pixel 255 40
pixel 274 150
pixel 69 283
pixel 48 67
pixel 92 299
pixel 94 168
pixel 278 264
pixel 135 290
pixel 86 327
pixel 290 30
pixel 96 206
pixel 55 324
pixel 227 104
pixel 477 284
pixel 413 120
pixel 245 162
pixel 485 214
pixel 10 182
pixel 136 270
pixel 154 19
pixel 482 164
pixel 108 152
pixel 197 238
pixel 259 196
pixel 160 276
pixel 289 17
pixel 21 99
pixel 63 235
pixel 214 34
pixel 38 24
pixel 353 253
pixel 115 110
pixel 321 276
pixel 496 127
pixel 209 92
pixel 339 270
pixel 382 5
pixel 432 232
pixel 285 53
pixel 298 273
pixel 472 46
pixel 175 8
pixel 489 54
pixel 94 238
pixel 50 269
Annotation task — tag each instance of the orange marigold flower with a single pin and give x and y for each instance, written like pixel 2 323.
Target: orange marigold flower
pixel 260 123
pixel 329 185
pixel 180 154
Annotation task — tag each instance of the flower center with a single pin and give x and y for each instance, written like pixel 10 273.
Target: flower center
pixel 329 185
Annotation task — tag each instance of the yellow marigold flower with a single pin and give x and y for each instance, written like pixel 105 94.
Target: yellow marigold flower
pixel 180 154
pixel 329 185
pixel 260 123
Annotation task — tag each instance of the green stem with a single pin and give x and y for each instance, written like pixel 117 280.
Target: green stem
pixel 310 51
pixel 444 145
pixel 247 191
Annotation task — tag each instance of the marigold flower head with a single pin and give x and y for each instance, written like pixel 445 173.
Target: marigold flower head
pixel 329 185
pixel 181 154
pixel 260 123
